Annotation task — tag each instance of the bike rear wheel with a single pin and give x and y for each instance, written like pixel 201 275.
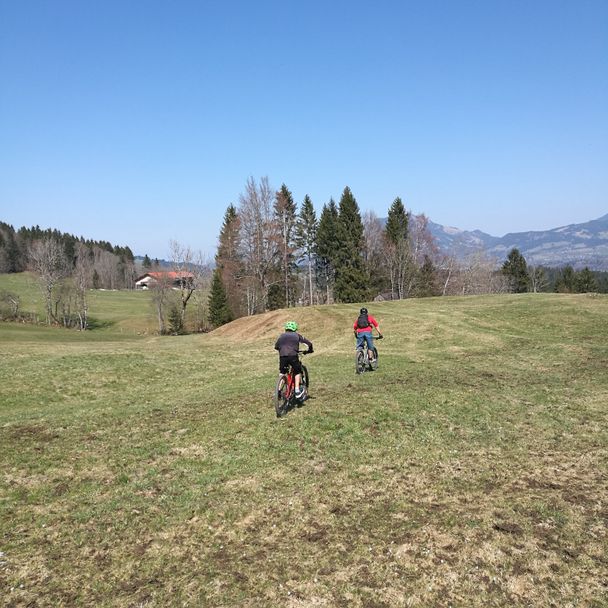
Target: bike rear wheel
pixel 359 361
pixel 281 396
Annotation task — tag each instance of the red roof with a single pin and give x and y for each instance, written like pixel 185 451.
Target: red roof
pixel 169 274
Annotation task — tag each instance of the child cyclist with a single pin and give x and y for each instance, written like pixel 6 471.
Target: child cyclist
pixel 363 330
pixel 288 345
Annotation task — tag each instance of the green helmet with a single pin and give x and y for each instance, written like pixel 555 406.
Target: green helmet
pixel 291 326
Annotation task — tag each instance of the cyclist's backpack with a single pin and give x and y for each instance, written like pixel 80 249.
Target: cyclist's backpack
pixel 363 321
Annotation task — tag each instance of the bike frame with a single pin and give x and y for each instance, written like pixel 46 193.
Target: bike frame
pixel 290 381
pixel 365 350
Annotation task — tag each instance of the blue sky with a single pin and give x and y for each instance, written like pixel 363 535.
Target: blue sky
pixel 138 122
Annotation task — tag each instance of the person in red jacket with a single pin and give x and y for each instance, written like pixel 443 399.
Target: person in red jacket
pixel 363 330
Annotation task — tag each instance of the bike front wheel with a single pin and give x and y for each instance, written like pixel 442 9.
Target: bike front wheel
pixel 305 377
pixel 374 364
pixel 281 396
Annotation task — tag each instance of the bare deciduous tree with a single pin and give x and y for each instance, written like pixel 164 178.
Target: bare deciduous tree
pixel 83 279
pixel 538 278
pixel 259 242
pixel 48 260
pixel 448 269
pixel 182 263
pixel 106 265
pixel 374 253
pixel 10 303
pixel 202 283
pixel 161 298
pixel 479 275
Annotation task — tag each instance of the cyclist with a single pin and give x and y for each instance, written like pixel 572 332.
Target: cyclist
pixel 363 331
pixel 288 345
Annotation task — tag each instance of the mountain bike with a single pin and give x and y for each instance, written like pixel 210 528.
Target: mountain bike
pixel 366 360
pixel 285 393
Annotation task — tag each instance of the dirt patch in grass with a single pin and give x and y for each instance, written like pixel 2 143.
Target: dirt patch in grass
pixel 31 432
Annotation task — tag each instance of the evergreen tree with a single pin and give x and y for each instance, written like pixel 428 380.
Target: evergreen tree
pixel 585 281
pixel 11 258
pixel 285 215
pixel 397 223
pixel 276 297
pixel 228 259
pixel 147 262
pixel 401 265
pixel 516 270
pixel 306 236
pixel 219 311
pixel 351 279
pixel 566 281
pixel 176 321
pixel 326 249
pixel 426 279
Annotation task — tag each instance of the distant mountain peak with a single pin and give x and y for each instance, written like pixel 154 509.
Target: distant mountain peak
pixel 579 245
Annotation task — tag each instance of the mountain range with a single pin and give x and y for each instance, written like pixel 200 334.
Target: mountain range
pixel 576 244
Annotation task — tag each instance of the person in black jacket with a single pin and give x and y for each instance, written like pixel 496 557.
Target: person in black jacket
pixel 288 344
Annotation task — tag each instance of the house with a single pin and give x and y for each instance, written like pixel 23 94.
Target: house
pixel 170 278
pixel 387 296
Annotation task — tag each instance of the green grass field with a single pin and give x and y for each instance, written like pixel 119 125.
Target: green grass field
pixel 470 470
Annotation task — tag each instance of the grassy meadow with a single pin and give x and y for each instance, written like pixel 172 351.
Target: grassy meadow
pixel 470 470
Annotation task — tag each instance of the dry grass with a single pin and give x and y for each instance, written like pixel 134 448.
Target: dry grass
pixel 470 470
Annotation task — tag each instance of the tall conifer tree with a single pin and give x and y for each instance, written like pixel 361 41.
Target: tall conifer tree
pixel 426 279
pixel 516 270
pixel 285 214
pixel 397 223
pixel 398 251
pixel 326 249
pixel 306 233
pixel 351 280
pixel 219 310
pixel 585 281
pixel 228 261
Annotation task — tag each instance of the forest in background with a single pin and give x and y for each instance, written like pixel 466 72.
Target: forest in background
pixel 273 254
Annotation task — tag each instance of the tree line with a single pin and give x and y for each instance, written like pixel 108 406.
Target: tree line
pixel 523 277
pixel 113 266
pixel 272 255
pixel 67 267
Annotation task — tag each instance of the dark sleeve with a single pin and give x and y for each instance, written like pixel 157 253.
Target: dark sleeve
pixel 307 342
pixel 277 346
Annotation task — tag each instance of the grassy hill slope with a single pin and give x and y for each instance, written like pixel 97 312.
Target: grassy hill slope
pixel 470 469
pixel 125 311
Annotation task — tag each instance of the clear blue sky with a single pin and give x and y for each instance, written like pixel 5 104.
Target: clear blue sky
pixel 140 121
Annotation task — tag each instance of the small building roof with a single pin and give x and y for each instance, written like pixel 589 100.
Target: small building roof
pixel 166 274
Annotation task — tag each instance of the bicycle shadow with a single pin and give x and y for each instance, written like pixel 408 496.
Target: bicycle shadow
pixel 297 405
